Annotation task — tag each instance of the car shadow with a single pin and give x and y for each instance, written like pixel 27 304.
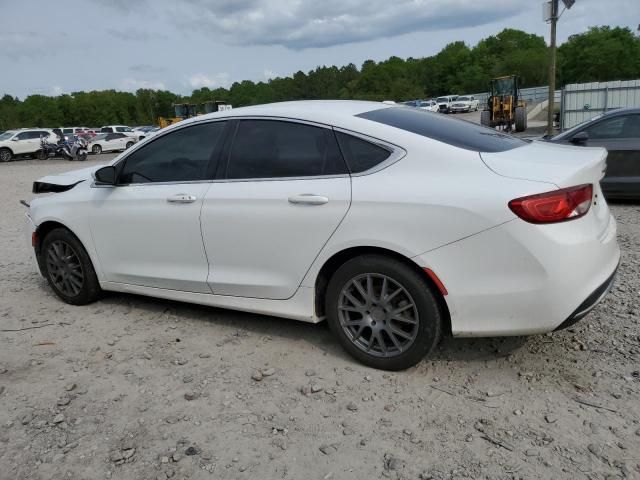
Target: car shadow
pixel 465 350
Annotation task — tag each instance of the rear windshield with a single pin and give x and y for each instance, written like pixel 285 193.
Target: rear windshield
pixel 458 133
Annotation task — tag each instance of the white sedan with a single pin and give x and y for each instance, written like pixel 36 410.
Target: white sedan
pixel 109 142
pixel 394 224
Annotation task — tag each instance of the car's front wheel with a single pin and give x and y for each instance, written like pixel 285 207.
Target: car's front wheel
pixel 383 312
pixel 5 155
pixel 67 267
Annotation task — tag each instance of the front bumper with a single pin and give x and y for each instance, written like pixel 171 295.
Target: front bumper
pixel 460 109
pixel 29 233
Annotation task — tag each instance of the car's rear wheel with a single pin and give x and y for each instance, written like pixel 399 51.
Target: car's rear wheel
pixel 67 267
pixel 96 149
pixel 5 155
pixel 383 312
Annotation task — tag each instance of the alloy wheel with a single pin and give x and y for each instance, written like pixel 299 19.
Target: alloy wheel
pixel 64 268
pixel 378 315
pixel 5 156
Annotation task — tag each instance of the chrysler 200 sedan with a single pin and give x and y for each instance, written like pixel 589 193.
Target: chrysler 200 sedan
pixel 395 225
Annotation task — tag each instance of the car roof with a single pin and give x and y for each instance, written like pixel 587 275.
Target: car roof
pixel 621 111
pixel 320 111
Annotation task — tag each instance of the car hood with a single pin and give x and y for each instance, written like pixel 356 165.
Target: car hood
pixel 562 165
pixel 64 181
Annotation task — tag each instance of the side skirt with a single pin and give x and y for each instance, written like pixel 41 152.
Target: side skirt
pixel 299 307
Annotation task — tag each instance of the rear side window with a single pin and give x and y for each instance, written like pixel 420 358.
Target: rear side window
pixel 277 149
pixel 179 156
pixel 360 154
pixel 459 133
pixel 106 130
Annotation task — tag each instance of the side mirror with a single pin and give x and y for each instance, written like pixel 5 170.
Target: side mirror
pixel 105 175
pixel 580 138
pixel 15 139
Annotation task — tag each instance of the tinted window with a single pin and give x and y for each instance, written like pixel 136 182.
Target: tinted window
pixel 458 133
pixel 120 129
pixel 111 136
pixel 273 149
pixel 627 126
pixel 106 130
pixel 179 156
pixel 360 154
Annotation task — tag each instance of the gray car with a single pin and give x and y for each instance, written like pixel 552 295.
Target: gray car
pixel 619 132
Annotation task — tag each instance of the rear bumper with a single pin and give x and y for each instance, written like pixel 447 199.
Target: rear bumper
pixel 590 303
pixel 523 279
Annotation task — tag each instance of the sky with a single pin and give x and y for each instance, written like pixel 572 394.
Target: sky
pixel 58 47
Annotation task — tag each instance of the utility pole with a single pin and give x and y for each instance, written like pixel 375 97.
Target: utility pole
pixel 552 67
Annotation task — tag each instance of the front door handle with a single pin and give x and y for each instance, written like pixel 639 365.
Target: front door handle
pixel 308 199
pixel 181 198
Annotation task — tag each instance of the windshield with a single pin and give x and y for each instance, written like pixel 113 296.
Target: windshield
pixel 443 99
pixel 463 99
pixel 6 135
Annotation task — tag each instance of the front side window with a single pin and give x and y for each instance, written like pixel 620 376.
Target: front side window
pixel 277 149
pixel 180 156
pixel 627 126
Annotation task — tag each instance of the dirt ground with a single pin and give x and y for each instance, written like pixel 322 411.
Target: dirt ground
pixel 137 388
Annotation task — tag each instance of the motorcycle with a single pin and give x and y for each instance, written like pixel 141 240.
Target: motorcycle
pixel 47 149
pixel 76 150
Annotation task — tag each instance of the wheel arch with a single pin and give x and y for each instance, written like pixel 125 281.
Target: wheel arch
pixel 334 262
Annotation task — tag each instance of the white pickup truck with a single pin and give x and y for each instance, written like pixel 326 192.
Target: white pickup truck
pixel 464 103
pixel 444 103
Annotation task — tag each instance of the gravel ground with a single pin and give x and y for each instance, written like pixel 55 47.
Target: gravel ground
pixel 137 388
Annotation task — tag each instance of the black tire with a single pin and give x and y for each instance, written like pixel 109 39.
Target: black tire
pixel 128 145
pixel 5 155
pixel 426 332
pixel 61 244
pixel 521 119
pixel 82 156
pixel 96 149
pixel 42 155
pixel 485 118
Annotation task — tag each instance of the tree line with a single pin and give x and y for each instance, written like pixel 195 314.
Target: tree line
pixel 600 54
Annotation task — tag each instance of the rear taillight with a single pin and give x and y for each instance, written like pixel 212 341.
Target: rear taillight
pixel 552 207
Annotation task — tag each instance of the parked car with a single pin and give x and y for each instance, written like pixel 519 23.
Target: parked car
pixel 444 103
pixel 121 129
pixel 17 143
pixel 619 132
pixel 394 224
pixel 429 105
pixel 108 142
pixel 464 103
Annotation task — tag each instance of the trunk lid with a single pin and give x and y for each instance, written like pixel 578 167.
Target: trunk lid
pixel 562 165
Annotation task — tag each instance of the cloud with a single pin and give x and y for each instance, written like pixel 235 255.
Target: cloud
pixel 200 80
pixel 136 35
pixel 133 84
pixel 146 68
pixel 269 74
pixel 300 24
pixel 28 44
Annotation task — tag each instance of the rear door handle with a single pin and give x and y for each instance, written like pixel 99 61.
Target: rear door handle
pixel 308 199
pixel 181 198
